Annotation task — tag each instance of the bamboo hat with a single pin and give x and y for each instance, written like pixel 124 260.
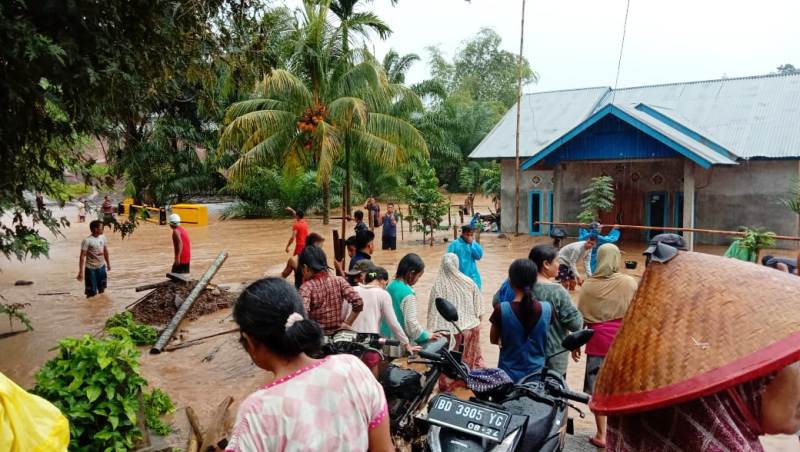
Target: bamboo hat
pixel 697 325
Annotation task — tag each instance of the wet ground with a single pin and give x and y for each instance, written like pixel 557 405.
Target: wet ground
pixel 202 375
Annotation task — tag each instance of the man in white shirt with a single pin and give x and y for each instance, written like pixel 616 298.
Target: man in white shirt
pixel 568 258
pixel 94 261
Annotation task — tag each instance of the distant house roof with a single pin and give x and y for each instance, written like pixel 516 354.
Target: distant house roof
pixel 720 120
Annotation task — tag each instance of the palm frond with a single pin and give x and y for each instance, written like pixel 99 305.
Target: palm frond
pixel 281 84
pixel 270 151
pixel 348 112
pixel 330 149
pixel 397 131
pixel 266 121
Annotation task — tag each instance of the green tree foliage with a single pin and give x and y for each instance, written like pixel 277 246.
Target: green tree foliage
pixel 788 69
pixel 396 66
pixel 490 185
pixel 96 384
pixel 482 68
pixel 267 191
pixel 75 68
pixel 598 197
pixel 427 206
pixel 467 96
pixel 309 117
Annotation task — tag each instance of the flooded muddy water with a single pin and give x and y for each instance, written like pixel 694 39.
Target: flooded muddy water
pixel 202 375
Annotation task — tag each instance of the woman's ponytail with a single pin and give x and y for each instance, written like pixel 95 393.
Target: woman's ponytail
pixel 522 276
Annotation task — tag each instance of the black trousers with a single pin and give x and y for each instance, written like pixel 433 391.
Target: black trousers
pixel 389 243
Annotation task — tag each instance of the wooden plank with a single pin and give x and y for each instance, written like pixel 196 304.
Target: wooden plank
pixel 151 286
pixel 662 228
pixel 179 277
pixel 198 340
pixel 176 320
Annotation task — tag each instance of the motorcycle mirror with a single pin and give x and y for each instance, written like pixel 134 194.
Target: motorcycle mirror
pixel 576 340
pixel 447 310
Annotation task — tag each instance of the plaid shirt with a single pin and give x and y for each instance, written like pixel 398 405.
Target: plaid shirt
pixel 323 297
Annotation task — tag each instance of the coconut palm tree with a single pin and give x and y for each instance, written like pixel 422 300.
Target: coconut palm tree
pixel 396 66
pixel 311 117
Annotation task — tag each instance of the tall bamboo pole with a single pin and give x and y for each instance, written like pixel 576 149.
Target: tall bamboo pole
pixel 519 105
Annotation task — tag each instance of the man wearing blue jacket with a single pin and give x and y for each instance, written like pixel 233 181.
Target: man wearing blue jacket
pixel 469 252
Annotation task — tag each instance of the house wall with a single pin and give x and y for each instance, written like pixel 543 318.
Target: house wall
pixel 748 194
pixel 526 184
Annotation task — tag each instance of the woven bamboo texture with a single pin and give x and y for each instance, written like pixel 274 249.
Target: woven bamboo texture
pixel 693 315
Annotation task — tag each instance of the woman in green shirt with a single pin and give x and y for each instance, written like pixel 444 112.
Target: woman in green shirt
pixel 404 300
pixel 566 317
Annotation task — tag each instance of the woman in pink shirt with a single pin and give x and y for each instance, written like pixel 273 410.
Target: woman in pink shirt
pixel 330 404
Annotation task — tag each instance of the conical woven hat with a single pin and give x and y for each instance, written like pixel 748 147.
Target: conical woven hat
pixel 699 324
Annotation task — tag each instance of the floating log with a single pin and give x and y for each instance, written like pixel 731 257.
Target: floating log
pixel 176 320
pixel 47 294
pixel 198 340
pixel 194 423
pixel 663 228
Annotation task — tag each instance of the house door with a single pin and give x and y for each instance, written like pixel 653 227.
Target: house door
pixel 628 207
pixel 535 212
pixel 656 205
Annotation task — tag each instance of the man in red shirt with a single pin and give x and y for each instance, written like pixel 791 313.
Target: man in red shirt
pixel 299 232
pixel 180 244
pixel 324 295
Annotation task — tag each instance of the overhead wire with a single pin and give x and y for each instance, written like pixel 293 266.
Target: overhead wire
pixel 621 48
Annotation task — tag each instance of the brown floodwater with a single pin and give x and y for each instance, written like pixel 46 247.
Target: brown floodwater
pixel 202 375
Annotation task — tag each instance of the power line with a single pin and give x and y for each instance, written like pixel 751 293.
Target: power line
pixel 621 47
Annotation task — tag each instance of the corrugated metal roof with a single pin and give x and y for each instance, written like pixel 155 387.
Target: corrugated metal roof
pixel 750 116
pixel 543 118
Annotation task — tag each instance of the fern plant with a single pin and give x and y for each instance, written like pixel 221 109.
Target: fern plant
pixel 597 198
pixel 756 239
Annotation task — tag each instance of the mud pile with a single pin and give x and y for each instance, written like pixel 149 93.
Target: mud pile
pixel 158 307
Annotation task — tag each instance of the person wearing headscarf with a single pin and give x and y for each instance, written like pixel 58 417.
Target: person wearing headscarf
pixel 463 293
pixel 729 420
pixel 603 301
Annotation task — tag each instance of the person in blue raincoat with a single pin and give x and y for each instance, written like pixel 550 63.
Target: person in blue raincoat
pixel 469 252
pixel 594 229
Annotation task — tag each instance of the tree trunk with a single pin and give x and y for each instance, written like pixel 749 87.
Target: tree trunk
pixel 326 201
pixel 347 176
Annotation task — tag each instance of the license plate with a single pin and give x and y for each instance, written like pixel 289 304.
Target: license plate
pixel 468 417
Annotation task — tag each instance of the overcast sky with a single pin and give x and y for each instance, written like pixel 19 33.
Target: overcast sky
pixel 575 43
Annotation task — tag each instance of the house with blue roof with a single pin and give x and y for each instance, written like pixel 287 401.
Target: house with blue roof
pixel 717 154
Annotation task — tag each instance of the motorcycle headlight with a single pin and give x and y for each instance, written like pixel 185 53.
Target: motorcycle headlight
pixel 507 445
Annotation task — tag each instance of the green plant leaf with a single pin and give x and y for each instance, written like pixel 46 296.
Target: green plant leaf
pixel 114 421
pixel 92 393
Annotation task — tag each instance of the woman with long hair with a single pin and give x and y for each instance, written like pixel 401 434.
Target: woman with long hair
pixel 463 293
pixel 330 404
pixel 520 326
pixel 603 301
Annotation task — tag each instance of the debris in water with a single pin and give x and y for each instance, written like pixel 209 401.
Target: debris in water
pixel 158 307
pixel 22 282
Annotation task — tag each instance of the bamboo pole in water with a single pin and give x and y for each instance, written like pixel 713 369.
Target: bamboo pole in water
pixel 176 320
pixel 663 228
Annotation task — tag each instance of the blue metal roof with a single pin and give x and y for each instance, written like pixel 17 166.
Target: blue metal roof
pixel 741 118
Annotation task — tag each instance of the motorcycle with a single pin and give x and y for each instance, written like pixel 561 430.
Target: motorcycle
pixel 529 415
pixel 407 390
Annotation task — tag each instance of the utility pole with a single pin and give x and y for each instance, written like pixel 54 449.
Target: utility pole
pixel 519 105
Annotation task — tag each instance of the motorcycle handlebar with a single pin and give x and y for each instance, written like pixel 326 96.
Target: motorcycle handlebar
pixel 571 395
